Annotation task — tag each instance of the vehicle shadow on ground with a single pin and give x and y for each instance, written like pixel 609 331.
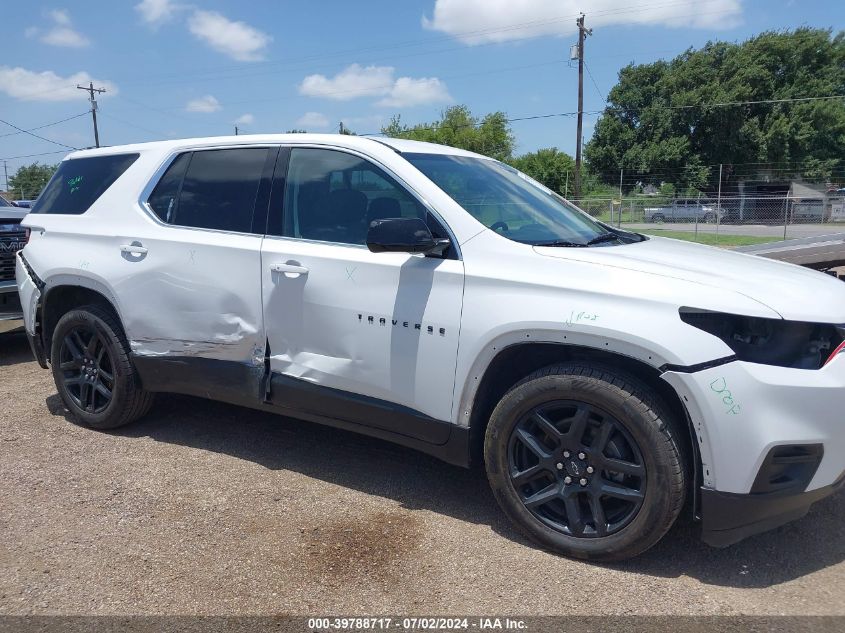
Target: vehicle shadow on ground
pixel 418 481
pixel 14 348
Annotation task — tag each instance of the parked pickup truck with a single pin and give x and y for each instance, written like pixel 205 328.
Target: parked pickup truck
pixel 445 301
pixel 12 239
pixel 683 210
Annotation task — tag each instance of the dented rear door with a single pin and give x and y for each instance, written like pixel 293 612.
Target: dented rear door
pixel 189 280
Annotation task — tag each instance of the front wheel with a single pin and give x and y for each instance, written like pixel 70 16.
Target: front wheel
pixel 93 373
pixel 585 461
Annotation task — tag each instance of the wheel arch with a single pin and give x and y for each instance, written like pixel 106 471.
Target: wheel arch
pixel 513 362
pixel 64 294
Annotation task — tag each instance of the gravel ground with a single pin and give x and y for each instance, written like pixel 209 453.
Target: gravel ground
pixel 204 508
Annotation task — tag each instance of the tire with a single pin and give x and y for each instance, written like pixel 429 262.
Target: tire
pixel 637 482
pixel 89 360
pixel 658 218
pixel 709 218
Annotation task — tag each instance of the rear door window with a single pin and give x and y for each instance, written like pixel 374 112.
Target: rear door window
pixel 165 196
pixel 211 189
pixel 78 183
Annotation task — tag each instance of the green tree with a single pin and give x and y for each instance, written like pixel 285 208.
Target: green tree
pixel 658 125
pixel 490 135
pixel 549 166
pixel 29 180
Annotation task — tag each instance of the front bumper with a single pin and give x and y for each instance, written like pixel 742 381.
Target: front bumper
pixel 728 518
pixel 742 413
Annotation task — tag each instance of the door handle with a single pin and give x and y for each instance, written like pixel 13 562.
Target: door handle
pixel 133 249
pixel 289 269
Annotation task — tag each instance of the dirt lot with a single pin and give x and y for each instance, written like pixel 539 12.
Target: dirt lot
pixel 207 508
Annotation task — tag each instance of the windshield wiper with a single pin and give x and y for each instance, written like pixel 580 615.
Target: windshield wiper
pixel 560 243
pixel 604 237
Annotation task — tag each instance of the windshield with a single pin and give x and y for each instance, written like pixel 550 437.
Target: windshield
pixel 3 202
pixel 507 201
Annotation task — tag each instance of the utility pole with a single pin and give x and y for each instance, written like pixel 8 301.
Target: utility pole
pixel 90 89
pixel 236 130
pixel 582 35
pixel 6 174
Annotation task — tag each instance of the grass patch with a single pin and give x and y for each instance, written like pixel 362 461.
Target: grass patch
pixel 711 239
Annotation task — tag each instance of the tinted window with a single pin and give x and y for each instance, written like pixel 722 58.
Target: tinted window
pixel 78 183
pixel 3 202
pixel 332 196
pixel 219 189
pixel 164 198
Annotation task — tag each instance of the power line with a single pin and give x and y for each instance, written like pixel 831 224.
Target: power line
pixel 19 129
pixel 612 108
pixel 39 127
pixel 731 103
pixel 345 53
pixel 34 155
pixel 593 79
pixel 131 124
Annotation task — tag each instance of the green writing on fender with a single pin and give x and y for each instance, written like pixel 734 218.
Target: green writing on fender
pixel 720 386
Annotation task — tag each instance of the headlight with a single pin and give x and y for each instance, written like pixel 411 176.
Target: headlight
pixel 770 341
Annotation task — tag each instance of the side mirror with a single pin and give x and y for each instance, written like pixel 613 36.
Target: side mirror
pixel 403 235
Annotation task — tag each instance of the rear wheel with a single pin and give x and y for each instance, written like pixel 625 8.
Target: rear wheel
pixel 584 460
pixel 709 218
pixel 92 371
pixel 658 218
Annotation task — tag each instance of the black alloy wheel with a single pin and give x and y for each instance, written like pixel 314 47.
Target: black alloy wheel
pixel 577 469
pixel 93 370
pixel 586 460
pixel 87 369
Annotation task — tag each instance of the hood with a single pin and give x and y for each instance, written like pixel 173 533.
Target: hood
pixel 796 293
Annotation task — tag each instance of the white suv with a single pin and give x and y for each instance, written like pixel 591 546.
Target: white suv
pixel 444 301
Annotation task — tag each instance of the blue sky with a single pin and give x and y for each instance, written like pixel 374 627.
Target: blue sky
pixel 179 69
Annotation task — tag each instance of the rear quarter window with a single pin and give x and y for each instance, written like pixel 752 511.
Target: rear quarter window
pixel 78 183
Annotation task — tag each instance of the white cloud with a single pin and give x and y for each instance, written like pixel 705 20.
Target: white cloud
pixel 204 104
pixel 155 12
pixel 61 33
pixel 357 81
pixel 352 82
pixel 477 21
pixel 407 92
pixel 28 85
pixel 245 119
pixel 59 16
pixel 313 120
pixel 235 39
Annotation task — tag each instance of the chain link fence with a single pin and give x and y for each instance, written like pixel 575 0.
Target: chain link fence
pixel 725 214
pixel 20 194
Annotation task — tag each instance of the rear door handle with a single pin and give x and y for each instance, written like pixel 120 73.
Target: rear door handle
pixel 289 268
pixel 133 249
